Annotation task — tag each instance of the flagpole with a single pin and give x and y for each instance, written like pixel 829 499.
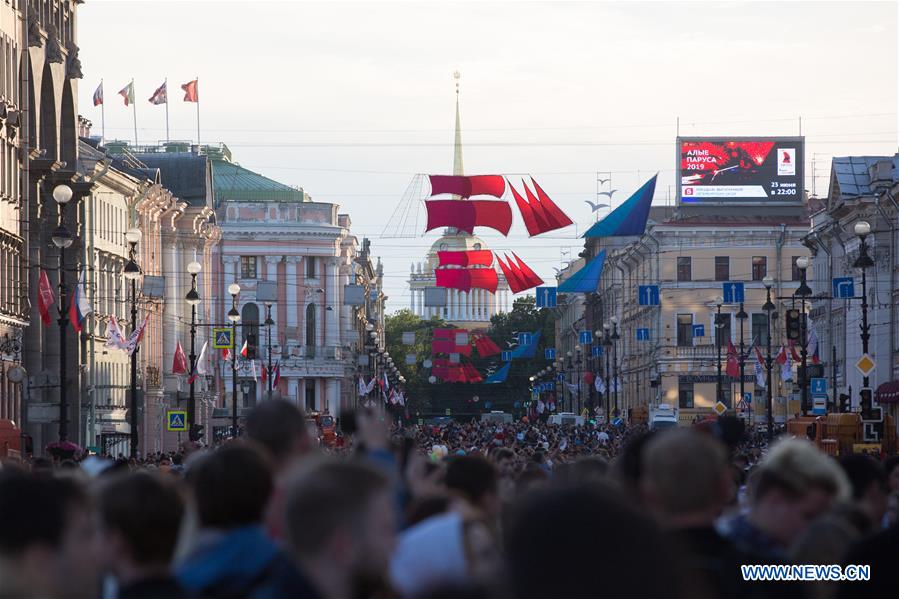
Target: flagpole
pixel 166 83
pixel 198 110
pixel 134 105
pixel 102 113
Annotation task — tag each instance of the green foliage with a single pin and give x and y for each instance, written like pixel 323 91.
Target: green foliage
pixel 404 321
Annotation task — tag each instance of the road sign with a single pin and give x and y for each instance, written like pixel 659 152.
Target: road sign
pixel 747 397
pixel 819 386
pixel 585 337
pixel 560 377
pixel 596 351
pixel 733 293
pixel 819 404
pixel 176 421
pixel 546 297
pixel 506 356
pixel 642 334
pixel 525 338
pixel 865 365
pixel 649 295
pixel 549 353
pixel 699 330
pixel 222 339
pixel 720 408
pixel 843 287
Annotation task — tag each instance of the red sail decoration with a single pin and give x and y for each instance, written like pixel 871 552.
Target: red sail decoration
pixel 465 215
pixel 540 213
pixel 518 274
pixel 478 185
pixel 466 279
pixel 485 346
pixel 471 373
pixel 468 258
pixel 444 342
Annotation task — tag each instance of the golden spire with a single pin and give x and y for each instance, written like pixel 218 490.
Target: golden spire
pixel 457 153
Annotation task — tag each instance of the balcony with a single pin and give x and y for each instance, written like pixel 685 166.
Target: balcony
pixel 694 352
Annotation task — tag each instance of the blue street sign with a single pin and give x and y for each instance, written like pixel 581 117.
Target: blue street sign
pixel 585 337
pixel 596 351
pixel 506 356
pixel 648 295
pixel 642 334
pixel 560 376
pixel 546 297
pixel 747 397
pixel 819 404
pixel 549 353
pixel 733 293
pixel 843 287
pixel 525 338
pixel 550 386
pixel 699 330
pixel 819 386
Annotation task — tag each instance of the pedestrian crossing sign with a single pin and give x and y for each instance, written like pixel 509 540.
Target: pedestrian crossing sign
pixel 176 421
pixel 222 339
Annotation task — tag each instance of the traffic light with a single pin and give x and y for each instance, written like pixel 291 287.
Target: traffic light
pixel 196 432
pixel 251 346
pixel 866 402
pixel 845 405
pixel 794 327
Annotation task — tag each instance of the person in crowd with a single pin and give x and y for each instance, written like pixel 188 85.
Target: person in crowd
pixel 279 428
pixel 47 541
pixel 584 541
pixel 340 529
pixel 891 471
pixel 792 485
pixel 140 515
pixel 869 488
pixel 230 554
pixel 456 547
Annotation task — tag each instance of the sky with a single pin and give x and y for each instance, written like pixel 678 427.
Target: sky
pixel 351 100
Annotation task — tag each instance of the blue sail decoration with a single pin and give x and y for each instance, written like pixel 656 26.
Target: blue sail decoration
pixel 586 280
pixel 499 376
pixel 528 351
pixel 630 217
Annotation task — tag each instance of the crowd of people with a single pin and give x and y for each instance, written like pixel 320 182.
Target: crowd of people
pixel 521 510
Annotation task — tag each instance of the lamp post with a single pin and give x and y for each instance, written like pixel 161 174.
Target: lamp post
pixel 742 316
pixel 62 239
pixel 268 369
pixel 864 261
pixel 570 366
pixel 769 308
pixel 803 292
pixel 132 273
pixel 234 317
pixel 578 361
pixel 193 299
pixel 607 343
pixel 615 337
pixel 719 324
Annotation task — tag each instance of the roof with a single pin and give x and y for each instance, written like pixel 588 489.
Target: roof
pixel 233 182
pixel 852 173
pixel 182 173
pixel 122 162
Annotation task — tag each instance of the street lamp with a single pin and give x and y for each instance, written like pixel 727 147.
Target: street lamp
pixel 193 300
pixel 234 317
pixel 132 273
pixel 803 293
pixel 719 325
pixel 607 343
pixel 268 370
pixel 864 261
pixel 769 308
pixel 742 316
pixel 615 337
pixel 62 239
pixel 578 362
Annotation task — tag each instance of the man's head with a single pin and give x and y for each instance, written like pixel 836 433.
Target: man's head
pixel 504 459
pixel 280 428
pixel 474 479
pixel 46 536
pixel 231 487
pixel 792 486
pixel 140 516
pixel 869 485
pixel 685 477
pixel 341 513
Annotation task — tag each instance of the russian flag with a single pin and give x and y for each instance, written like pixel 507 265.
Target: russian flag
pixel 79 308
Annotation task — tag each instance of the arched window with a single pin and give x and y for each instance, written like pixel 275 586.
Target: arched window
pixel 249 323
pixel 310 330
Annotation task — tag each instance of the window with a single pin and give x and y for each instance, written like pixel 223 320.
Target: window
pixel 760 329
pixel 684 330
pixel 310 396
pixel 249 325
pixel 722 332
pixel 310 331
pixel 797 276
pixel 684 268
pixel 722 268
pixel 685 394
pixel 759 267
pixel 248 267
pixel 310 267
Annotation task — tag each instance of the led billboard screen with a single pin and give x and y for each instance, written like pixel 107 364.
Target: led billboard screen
pixel 740 170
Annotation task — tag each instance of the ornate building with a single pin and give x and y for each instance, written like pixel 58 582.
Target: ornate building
pixel 469 310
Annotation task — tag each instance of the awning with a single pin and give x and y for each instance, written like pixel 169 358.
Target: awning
pixel 586 280
pixel 887 392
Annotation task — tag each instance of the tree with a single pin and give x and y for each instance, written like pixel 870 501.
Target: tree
pixel 405 321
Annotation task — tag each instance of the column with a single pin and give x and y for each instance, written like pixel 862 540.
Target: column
pixel 173 301
pixel 332 396
pixel 271 274
pixel 301 394
pixel 332 298
pixel 293 307
pixel 293 396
